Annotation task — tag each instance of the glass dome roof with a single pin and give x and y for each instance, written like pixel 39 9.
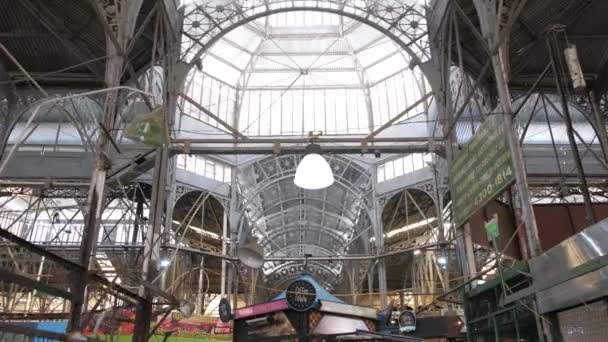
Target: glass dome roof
pixel 294 72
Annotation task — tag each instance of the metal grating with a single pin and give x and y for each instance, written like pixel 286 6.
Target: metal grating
pixel 585 323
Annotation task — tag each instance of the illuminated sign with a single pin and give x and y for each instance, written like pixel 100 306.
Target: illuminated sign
pixel 301 295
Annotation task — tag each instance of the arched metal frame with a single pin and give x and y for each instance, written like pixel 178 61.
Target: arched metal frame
pixel 427 188
pixel 297 245
pixel 405 24
pixel 205 23
pixel 70 115
pixel 334 239
pixel 345 219
pixel 321 267
pixel 327 230
pixel 260 176
pixel 184 189
pixel 292 228
pixel 286 272
pixel 288 174
pixel 401 21
pixel 265 186
pixel 403 192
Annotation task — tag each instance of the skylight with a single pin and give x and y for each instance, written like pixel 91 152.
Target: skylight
pixel 294 72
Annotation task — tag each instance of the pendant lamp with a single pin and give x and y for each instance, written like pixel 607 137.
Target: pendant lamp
pixel 313 172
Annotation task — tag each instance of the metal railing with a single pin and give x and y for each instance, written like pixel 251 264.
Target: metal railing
pixel 43 233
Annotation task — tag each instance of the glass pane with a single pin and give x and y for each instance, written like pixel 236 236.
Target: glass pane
pixel 191 163
pixel 181 161
pixel 209 168
pixel 200 165
pixel 219 173
pixel 228 174
pixel 418 163
pixel 381 173
pixel 390 172
pixel 398 167
pixel 342 60
pixel 408 165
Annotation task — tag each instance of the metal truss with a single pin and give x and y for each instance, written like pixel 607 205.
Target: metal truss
pixel 39 280
pixel 567 194
pixel 53 220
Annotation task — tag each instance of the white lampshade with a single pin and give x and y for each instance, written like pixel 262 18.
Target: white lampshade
pixel 251 254
pixel 313 172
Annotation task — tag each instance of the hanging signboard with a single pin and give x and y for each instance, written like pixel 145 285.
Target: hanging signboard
pixel 483 169
pixel 492 228
pixel 301 295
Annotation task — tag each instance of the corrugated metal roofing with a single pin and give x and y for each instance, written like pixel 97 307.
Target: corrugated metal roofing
pixel 46 36
pixel 585 27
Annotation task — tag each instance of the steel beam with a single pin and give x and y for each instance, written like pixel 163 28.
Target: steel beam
pixel 555 53
pixel 116 43
pixel 233 131
pixel 29 283
pixel 9 94
pixel 320 140
pixel 487 16
pixel 600 125
pixel 396 118
pixel 71 266
pixel 228 150
pixel 496 39
pixel 532 90
pixel 333 258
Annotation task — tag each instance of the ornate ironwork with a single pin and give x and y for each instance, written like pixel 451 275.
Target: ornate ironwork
pixel 111 9
pixel 207 21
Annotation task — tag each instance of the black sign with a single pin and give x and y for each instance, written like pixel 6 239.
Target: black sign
pixel 407 321
pixel 301 295
pixel 225 310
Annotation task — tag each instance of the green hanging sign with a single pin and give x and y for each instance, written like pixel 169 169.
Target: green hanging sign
pixel 483 169
pixel 149 128
pixel 492 229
